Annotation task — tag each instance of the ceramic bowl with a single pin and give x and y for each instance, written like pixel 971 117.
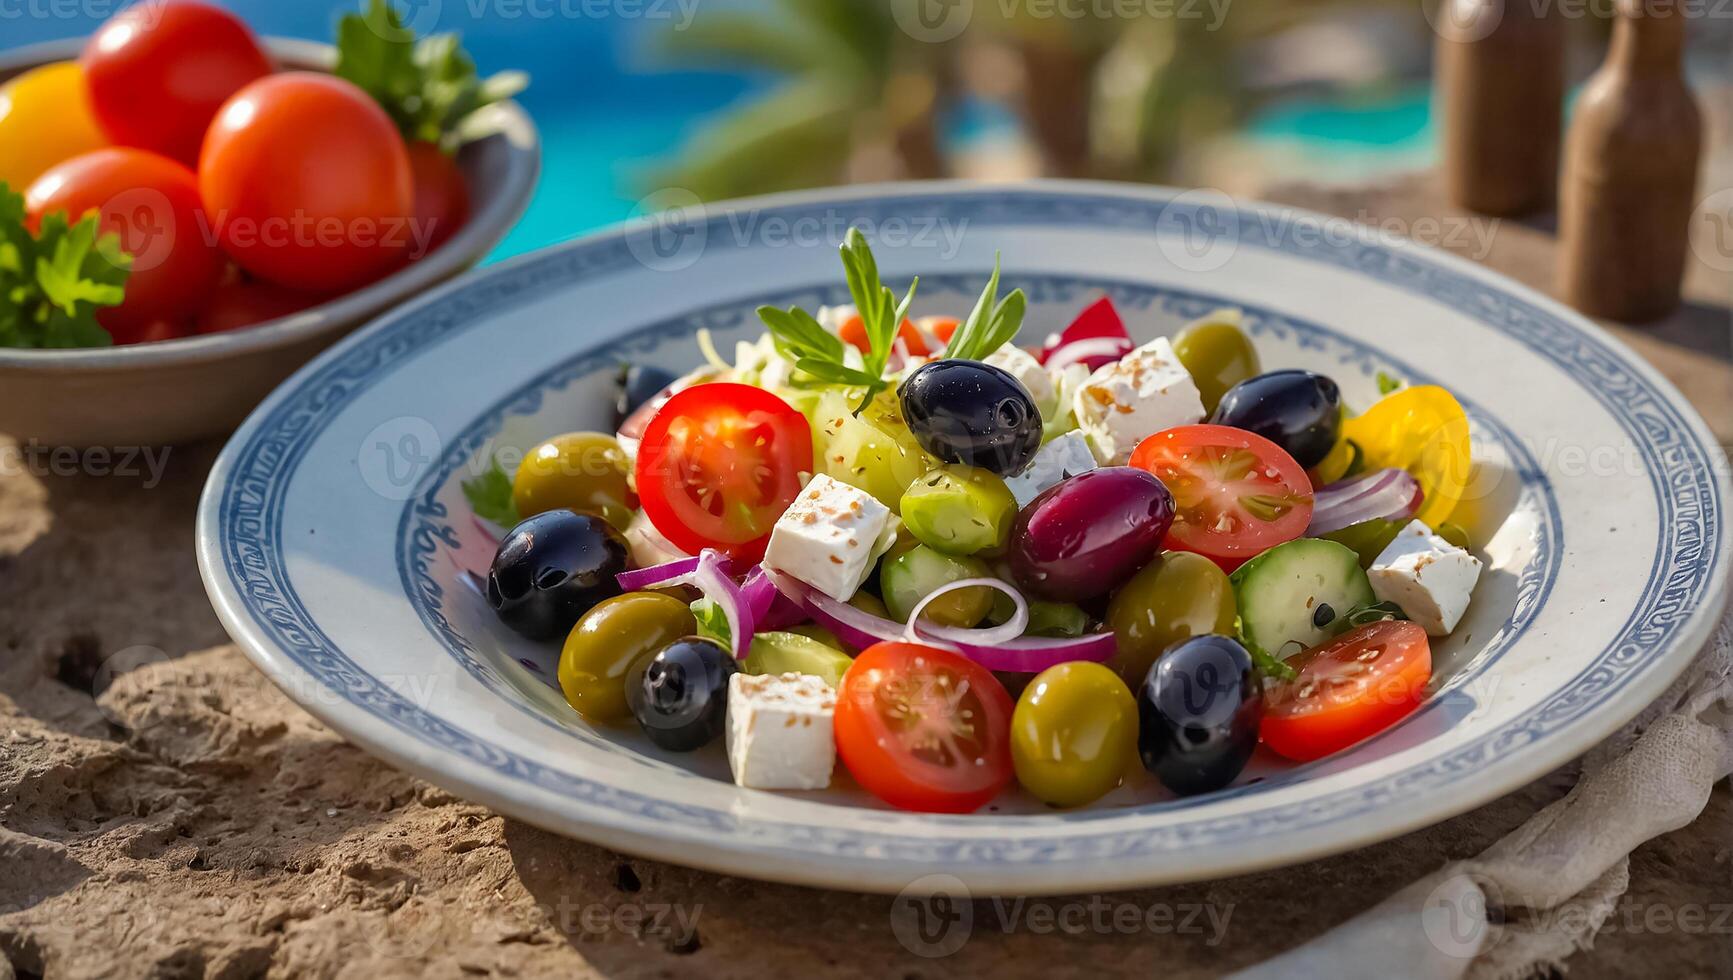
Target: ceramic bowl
pixel 180 390
pixel 337 545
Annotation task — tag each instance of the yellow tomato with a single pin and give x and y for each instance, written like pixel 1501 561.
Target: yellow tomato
pixel 1422 430
pixel 45 118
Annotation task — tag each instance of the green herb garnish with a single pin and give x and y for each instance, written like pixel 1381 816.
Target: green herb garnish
pixel 429 87
pixel 818 353
pixel 991 324
pixel 53 282
pixel 1388 383
pixel 712 621
pixel 490 496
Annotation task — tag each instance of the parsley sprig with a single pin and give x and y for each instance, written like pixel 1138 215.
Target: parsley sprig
pixel 52 282
pixel 429 86
pixel 818 353
pixel 489 495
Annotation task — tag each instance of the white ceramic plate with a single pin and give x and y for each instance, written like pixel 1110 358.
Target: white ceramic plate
pixel 333 534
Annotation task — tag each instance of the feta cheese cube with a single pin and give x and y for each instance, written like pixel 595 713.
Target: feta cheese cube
pixel 1065 457
pixel 1430 578
pixel 1020 364
pixel 829 537
pixel 1140 394
pixel 779 731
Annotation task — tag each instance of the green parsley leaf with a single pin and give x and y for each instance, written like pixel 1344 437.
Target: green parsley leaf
pixel 490 497
pixel 712 621
pixel 53 282
pixel 429 87
pixel 1388 383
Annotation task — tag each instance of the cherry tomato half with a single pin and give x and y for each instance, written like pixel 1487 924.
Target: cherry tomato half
pixel 718 464
pixel 1349 689
pixel 152 203
pixel 1236 494
pixel 158 72
pixel 44 119
pixel 308 183
pixel 924 729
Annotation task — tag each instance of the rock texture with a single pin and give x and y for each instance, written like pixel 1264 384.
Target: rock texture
pixel 166 812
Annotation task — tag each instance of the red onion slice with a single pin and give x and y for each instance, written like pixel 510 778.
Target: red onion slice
pixel 1098 319
pixel 1025 654
pixel 771 610
pixel 1092 352
pixel 677 572
pixel 1009 630
pixel 1388 494
pixel 713 580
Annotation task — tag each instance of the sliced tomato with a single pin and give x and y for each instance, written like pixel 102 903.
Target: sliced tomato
pixel 718 464
pixel 924 729
pixel 853 331
pixel 1235 493
pixel 1347 690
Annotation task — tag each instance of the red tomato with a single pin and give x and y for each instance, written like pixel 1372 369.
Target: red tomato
pixel 147 332
pixel 441 197
pixel 924 729
pixel 853 331
pixel 152 203
pixel 1235 494
pixel 1099 320
pixel 241 302
pixel 158 72
pixel 718 464
pixel 308 183
pixel 1349 689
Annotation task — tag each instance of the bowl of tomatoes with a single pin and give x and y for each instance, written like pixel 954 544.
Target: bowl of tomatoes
pixel 184 245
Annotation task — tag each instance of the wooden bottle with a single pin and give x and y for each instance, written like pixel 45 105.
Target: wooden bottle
pixel 1630 176
pixel 1501 80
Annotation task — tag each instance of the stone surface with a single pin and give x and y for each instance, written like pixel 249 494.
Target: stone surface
pixel 165 811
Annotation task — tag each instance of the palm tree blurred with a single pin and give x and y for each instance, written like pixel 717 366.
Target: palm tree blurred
pixel 1099 92
pixel 860 99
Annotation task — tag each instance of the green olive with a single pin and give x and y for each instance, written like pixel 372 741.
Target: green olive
pixel 1218 355
pixel 614 637
pixel 1454 533
pixel 1367 538
pixel 1178 595
pixel 920 572
pixel 1073 733
pixel 959 510
pixel 774 652
pixel 585 471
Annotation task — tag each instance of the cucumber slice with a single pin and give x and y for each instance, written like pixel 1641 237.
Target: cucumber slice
pixel 1281 591
pixel 791 653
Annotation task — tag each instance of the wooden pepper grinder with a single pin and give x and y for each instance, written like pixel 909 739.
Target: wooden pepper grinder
pixel 1501 84
pixel 1630 178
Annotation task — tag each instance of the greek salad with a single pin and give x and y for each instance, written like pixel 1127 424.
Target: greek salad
pixel 953 561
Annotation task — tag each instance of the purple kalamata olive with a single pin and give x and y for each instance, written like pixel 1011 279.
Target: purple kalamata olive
pixel 1086 536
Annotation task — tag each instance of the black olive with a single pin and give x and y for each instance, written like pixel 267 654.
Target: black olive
pixel 1297 410
pixel 551 569
pixel 1198 711
pixel 635 385
pixel 1323 616
pixel 972 413
pixel 681 698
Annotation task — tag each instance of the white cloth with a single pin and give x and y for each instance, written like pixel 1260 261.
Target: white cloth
pixel 1553 881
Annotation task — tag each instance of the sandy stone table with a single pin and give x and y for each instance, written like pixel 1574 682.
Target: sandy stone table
pixel 165 812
